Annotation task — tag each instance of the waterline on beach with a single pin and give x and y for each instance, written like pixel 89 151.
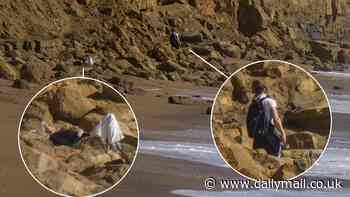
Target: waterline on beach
pixel 195 152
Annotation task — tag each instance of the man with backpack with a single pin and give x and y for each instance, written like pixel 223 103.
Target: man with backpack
pixel 264 123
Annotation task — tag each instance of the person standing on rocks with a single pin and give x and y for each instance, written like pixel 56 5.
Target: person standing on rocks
pixel 89 61
pixel 264 123
pixel 175 39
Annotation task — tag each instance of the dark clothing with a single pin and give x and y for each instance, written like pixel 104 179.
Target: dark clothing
pixel 265 135
pixel 65 137
pixel 270 142
pixel 175 40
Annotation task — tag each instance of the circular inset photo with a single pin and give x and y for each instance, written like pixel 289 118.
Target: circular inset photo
pixel 271 120
pixel 78 137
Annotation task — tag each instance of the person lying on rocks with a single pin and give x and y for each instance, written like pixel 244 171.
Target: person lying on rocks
pixel 264 123
pixel 68 137
pixel 108 130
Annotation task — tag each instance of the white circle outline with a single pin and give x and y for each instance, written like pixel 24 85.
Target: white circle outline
pixel 283 62
pixel 42 90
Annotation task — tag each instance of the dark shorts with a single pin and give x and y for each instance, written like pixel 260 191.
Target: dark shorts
pixel 271 143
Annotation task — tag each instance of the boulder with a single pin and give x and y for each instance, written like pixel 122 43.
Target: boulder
pixel 204 51
pixel 39 162
pixel 70 105
pixel 89 122
pixel 316 120
pixel 110 94
pixel 84 2
pixel 36 71
pixel 170 66
pixel 269 39
pixel 39 110
pixel 343 56
pixel 228 49
pixel 21 84
pixel 187 100
pixel 306 140
pixel 7 71
pixel 323 50
pixel 303 158
pixel 241 159
pixel 280 71
pixel 251 18
pixel 306 86
pixel 240 92
pixel 287 171
pixel 192 38
pixel 69 183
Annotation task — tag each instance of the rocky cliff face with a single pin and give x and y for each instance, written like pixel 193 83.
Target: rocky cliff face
pixel 85 168
pixel 131 37
pixel 302 106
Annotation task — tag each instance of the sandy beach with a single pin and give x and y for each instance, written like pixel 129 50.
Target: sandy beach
pixel 152 174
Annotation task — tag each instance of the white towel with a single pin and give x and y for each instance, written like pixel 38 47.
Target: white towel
pixel 109 130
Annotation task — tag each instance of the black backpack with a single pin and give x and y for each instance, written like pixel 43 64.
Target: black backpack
pixel 258 120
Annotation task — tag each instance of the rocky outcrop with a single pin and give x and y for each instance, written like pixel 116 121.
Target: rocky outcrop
pixel 302 106
pixel 84 168
pixel 7 71
pixel 306 140
pixel 132 37
pixel 188 100
pixel 70 105
pixel 315 119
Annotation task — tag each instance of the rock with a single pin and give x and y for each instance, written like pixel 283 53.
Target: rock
pixel 28 45
pixel 39 110
pixel 7 71
pixel 323 50
pixel 170 66
pixel 108 11
pixel 187 100
pixel 21 84
pixel 205 51
pixel 193 38
pixel 111 94
pixel 251 19
pixel 121 64
pixel 306 86
pixel 280 71
pixel 63 68
pixel 162 53
pixel 145 4
pixel 337 88
pixel 303 158
pixel 345 45
pixel 343 56
pixel 269 39
pixel 306 140
pixel 315 120
pixel 240 92
pixel 36 71
pixel 89 122
pixel 173 76
pixel 227 49
pixel 84 2
pixel 120 110
pixel 168 2
pixel 286 172
pixel 70 105
pixel 241 159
